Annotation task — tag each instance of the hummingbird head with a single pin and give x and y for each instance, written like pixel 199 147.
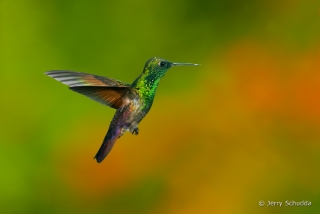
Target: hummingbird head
pixel 157 67
pixel 153 71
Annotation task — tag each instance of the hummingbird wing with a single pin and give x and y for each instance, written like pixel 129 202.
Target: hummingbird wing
pixel 71 79
pixel 109 96
pixel 106 91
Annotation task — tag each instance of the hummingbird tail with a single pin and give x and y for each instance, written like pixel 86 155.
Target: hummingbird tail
pixel 108 142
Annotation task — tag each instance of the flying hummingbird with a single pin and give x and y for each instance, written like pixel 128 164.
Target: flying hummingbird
pixel 131 101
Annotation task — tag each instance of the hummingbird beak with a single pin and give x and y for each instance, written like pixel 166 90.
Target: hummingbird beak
pixel 183 64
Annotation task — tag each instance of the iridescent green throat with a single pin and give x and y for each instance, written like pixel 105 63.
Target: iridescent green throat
pixel 146 85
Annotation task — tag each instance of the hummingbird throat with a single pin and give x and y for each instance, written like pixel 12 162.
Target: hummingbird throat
pixel 147 84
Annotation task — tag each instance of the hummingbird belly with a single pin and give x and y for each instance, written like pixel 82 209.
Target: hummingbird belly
pixel 131 115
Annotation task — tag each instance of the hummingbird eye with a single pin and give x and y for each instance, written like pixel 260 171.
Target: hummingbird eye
pixel 162 64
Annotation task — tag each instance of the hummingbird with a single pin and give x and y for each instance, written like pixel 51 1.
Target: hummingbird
pixel 131 101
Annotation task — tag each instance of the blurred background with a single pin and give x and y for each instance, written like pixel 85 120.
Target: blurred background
pixel 243 127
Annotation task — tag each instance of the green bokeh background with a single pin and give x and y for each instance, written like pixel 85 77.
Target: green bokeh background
pixel 243 127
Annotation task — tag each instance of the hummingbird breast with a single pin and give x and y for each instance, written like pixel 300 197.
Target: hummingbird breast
pixel 130 114
pixel 135 107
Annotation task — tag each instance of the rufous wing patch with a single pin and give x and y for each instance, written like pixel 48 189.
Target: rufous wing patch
pixel 110 96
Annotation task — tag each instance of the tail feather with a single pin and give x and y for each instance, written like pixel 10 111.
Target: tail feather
pixel 108 142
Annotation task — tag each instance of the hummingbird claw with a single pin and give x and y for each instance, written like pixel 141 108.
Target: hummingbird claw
pixel 135 131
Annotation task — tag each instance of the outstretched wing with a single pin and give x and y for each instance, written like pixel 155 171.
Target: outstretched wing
pixel 107 91
pixel 109 96
pixel 73 79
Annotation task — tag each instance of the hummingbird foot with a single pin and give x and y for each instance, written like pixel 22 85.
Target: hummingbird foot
pixel 122 132
pixel 135 131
